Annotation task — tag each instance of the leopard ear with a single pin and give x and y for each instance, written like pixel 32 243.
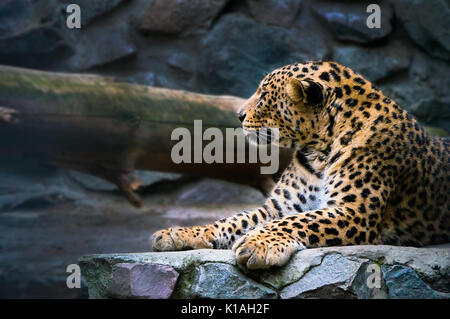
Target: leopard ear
pixel 295 90
pixel 307 91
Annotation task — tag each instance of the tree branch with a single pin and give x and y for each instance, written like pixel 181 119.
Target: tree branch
pixel 105 128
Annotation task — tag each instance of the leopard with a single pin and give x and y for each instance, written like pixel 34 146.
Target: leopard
pixel 363 172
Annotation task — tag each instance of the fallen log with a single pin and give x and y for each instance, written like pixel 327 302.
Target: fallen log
pixel 105 128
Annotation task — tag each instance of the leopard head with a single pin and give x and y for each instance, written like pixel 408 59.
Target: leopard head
pixel 291 101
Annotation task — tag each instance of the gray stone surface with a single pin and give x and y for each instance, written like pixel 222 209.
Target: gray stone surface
pixel 331 279
pixel 97 184
pixel 149 281
pixel 403 283
pixel 95 49
pixel 423 90
pixel 237 53
pixel 220 280
pixel 91 10
pixel 276 12
pixel 427 22
pixel 18 16
pixel 304 43
pixel 29 32
pixel 375 63
pixel 211 191
pixel 333 272
pixel 348 22
pixel 180 16
pixel 367 284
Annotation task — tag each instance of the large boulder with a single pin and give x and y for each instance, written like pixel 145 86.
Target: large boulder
pixel 239 52
pixel 281 13
pixel 150 281
pixel 427 22
pixel 147 178
pixel 94 49
pixel 91 10
pixel 34 34
pixel 180 16
pixel 307 39
pixel 423 90
pixel 347 20
pixel 30 32
pixel 376 63
pixel 333 272
pixel 209 191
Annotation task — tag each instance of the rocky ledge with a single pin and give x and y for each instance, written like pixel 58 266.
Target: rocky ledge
pixel 333 272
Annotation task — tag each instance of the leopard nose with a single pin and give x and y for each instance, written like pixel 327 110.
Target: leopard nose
pixel 241 116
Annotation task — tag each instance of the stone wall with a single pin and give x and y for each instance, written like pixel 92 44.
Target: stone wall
pixel 227 46
pixel 335 272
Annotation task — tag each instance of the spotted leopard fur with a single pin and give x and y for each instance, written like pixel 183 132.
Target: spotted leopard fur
pixel 364 172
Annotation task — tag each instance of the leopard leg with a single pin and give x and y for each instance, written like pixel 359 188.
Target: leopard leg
pixel 221 234
pixel 274 243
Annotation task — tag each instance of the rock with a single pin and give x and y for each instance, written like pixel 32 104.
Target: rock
pixel 30 32
pixel 91 182
pixel 275 12
pixel 238 52
pixel 403 283
pixel 152 177
pixel 34 34
pixel 217 280
pixel 144 78
pixel 20 16
pixel 94 49
pixel 374 63
pixel 332 272
pixel 97 184
pixel 364 277
pixel 416 97
pixel 91 10
pixel 25 183
pixel 133 280
pixel 423 91
pixel 293 271
pixel 427 23
pixel 181 62
pixel 180 16
pixel 348 22
pixel 209 191
pixel 331 279
pixel 304 42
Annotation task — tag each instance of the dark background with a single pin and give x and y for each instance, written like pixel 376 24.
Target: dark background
pixel 50 217
pixel 226 47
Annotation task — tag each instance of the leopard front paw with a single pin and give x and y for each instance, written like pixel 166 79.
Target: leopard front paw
pixel 182 238
pixel 261 249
